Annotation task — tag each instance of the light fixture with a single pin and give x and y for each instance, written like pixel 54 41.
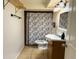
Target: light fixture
pixel 67 7
pixel 61 4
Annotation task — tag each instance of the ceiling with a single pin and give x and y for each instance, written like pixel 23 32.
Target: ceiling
pixel 33 4
pixel 39 4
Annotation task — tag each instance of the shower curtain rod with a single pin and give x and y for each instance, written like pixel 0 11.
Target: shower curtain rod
pixel 15 16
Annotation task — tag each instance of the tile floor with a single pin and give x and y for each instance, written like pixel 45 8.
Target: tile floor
pixel 33 53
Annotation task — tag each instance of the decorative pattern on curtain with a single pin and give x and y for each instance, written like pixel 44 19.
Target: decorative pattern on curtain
pixel 40 24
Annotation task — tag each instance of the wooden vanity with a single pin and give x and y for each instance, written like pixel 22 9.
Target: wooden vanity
pixel 56 49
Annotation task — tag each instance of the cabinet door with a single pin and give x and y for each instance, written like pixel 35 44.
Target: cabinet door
pixel 50 45
pixel 58 50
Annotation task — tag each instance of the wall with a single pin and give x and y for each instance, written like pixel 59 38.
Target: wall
pixel 71 49
pixel 13 32
pixel 56 18
pixel 72 24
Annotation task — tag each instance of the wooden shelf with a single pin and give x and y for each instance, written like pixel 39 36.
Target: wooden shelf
pixel 17 4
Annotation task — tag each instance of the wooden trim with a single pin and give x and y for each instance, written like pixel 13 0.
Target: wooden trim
pixel 39 11
pixel 31 44
pixel 27 29
pixel 26 26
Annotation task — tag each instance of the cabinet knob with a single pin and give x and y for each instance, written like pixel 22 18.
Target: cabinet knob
pixel 64 45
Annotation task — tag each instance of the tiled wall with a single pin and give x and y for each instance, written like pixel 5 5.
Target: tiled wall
pixel 40 24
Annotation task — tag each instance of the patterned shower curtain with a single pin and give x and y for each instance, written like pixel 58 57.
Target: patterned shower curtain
pixel 40 24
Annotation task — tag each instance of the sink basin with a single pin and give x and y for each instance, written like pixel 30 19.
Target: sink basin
pixel 52 37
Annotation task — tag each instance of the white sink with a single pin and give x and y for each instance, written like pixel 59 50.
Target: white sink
pixel 52 37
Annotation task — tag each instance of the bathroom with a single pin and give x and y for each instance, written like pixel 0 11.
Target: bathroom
pixel 40 24
pixel 36 29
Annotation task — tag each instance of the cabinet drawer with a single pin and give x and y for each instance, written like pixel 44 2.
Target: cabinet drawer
pixel 58 44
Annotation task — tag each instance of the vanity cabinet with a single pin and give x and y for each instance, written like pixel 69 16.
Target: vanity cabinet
pixel 56 49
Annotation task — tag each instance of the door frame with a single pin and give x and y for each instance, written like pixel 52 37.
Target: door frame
pixel 26 28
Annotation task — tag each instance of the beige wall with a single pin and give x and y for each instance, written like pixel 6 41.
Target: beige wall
pixel 13 32
pixel 71 49
pixel 72 24
pixel 56 18
pixel 70 52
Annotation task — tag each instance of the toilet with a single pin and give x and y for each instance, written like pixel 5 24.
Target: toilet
pixel 42 44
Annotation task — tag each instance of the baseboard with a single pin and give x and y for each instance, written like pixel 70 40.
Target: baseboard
pixel 19 52
pixel 31 45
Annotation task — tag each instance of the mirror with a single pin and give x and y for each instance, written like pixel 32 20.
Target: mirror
pixel 63 22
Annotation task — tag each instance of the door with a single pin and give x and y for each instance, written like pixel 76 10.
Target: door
pixel 70 52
